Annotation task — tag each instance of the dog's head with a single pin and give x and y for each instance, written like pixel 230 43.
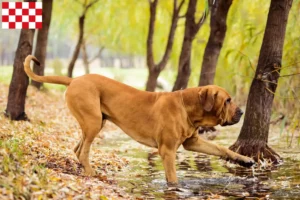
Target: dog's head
pixel 218 108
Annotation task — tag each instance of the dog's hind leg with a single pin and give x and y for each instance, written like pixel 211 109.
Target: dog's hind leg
pixel 90 130
pixel 78 147
pixel 86 109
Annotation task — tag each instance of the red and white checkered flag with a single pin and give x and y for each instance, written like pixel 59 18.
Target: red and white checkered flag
pixel 21 15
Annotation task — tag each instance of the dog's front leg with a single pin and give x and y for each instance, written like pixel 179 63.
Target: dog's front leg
pixel 198 144
pixel 168 156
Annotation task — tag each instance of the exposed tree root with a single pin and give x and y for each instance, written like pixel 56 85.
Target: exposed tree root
pixel 20 117
pixel 258 150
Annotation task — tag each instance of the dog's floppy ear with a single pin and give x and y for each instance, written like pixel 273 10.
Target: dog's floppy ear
pixel 207 98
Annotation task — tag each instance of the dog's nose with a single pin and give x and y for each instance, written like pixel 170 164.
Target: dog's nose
pixel 240 112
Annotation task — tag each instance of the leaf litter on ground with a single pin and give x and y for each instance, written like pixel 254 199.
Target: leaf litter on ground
pixel 37 159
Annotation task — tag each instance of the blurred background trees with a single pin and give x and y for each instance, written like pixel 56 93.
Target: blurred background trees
pixel 191 28
pixel 80 42
pixel 155 69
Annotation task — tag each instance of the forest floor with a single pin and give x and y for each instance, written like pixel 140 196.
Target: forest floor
pixel 37 159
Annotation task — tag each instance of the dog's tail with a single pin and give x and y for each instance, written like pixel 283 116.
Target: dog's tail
pixel 63 80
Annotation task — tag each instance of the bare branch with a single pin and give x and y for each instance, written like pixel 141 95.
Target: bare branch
pixel 180 6
pixel 202 20
pixel 282 97
pixel 266 81
pixel 248 60
pixel 86 7
pixel 270 91
pixel 92 3
pixel 289 75
pixel 280 68
pixel 97 55
pixel 291 66
pixel 280 118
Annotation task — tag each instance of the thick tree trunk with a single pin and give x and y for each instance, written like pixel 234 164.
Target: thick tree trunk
pixel 78 45
pixel 85 58
pixel 219 12
pixel 155 69
pixel 15 109
pixel 191 29
pixel 253 137
pixel 41 44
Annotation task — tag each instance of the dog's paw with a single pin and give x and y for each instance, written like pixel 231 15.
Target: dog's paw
pixel 242 161
pixel 172 184
pixel 249 163
pixel 90 172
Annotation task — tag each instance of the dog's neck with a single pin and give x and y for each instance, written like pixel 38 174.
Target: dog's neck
pixel 191 103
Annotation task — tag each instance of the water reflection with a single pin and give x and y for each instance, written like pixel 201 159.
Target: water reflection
pixel 200 176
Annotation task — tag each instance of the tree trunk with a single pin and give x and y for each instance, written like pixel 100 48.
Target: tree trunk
pixel 85 58
pixel 78 45
pixel 155 69
pixel 184 68
pixel 80 37
pixel 219 11
pixel 191 29
pixel 15 109
pixel 253 137
pixel 152 80
pixel 41 44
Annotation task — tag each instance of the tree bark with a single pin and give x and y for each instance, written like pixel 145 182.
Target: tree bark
pixel 77 47
pixel 152 79
pixel 15 109
pixel 219 11
pixel 42 39
pixel 155 69
pixel 85 58
pixel 191 29
pixel 253 137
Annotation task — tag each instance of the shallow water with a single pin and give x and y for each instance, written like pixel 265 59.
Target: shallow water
pixel 200 176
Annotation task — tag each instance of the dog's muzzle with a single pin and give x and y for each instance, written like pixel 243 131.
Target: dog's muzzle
pixel 235 119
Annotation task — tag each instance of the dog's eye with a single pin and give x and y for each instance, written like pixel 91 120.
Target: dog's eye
pixel 228 100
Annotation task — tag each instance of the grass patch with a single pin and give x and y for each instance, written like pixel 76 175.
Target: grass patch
pixel 6 73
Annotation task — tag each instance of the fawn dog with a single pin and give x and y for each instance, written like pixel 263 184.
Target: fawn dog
pixel 163 120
